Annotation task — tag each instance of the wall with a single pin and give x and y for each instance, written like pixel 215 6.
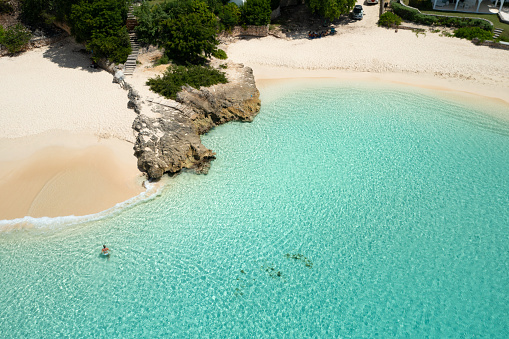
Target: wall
pixel 259 31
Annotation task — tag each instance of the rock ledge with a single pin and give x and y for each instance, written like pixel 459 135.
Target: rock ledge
pixel 171 141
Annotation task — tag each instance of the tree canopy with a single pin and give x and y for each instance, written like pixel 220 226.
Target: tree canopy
pixel 100 24
pixel 256 12
pixel 187 30
pixel 330 9
pixel 191 34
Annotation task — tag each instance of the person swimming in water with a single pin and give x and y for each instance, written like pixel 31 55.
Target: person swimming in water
pixel 105 250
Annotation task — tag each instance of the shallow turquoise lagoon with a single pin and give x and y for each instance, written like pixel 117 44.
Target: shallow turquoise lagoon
pixel 341 211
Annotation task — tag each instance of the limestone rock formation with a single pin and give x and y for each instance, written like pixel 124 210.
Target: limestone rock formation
pixel 171 142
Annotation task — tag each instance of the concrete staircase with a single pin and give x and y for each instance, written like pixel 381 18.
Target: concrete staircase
pixel 130 64
pixel 497 32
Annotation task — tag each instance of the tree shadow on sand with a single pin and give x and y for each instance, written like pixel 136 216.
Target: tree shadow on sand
pixel 297 21
pixel 68 54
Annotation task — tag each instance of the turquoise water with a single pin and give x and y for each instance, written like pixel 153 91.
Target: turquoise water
pixel 341 211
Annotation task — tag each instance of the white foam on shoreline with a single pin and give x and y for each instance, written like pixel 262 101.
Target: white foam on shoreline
pixel 153 190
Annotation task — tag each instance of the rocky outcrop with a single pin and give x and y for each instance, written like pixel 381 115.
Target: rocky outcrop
pixel 171 142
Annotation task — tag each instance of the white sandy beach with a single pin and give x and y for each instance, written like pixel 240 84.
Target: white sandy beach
pixel 66 138
pixel 361 50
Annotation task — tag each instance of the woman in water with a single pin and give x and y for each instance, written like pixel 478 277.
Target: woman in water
pixel 105 250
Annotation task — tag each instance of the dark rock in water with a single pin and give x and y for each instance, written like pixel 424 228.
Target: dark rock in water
pixel 171 142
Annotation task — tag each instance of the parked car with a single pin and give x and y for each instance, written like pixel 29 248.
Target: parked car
pixel 371 2
pixel 357 12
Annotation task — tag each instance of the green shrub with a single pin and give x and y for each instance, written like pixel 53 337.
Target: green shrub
pixel 389 19
pixel 177 76
pixel 423 5
pixel 164 60
pixel 15 38
pixel 114 47
pixel 189 36
pixel 2 34
pixel 150 19
pixel 473 32
pixel 404 12
pixel 6 7
pixel 256 12
pixel 413 15
pixel 426 19
pixel 220 54
pixel 229 15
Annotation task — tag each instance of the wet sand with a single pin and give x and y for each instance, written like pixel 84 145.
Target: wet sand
pixel 65 136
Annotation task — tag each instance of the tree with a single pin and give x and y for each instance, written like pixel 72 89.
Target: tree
pixel 100 24
pixel 150 19
pixel 229 15
pixel 189 35
pixel 256 12
pixel 330 9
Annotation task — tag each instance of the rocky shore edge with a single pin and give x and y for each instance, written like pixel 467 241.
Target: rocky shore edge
pixel 168 140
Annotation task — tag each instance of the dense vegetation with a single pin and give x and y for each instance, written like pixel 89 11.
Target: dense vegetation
pixel 177 76
pixel 256 12
pixel 187 29
pixel 6 7
pixel 187 32
pixel 100 24
pixel 330 9
pixel 425 5
pixel 413 15
pixel 389 19
pixel 229 16
pixel 15 38
pixel 473 32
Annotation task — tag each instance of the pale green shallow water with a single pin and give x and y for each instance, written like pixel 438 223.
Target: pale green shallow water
pixel 397 200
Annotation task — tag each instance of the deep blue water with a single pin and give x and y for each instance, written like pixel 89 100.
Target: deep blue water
pixel 341 211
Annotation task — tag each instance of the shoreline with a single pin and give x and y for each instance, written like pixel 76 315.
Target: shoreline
pixel 67 146
pixel 491 101
pixel 361 51
pixel 268 76
pixel 65 174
